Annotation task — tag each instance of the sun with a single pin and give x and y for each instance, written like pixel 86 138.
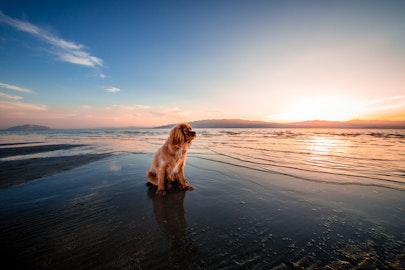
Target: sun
pixel 331 108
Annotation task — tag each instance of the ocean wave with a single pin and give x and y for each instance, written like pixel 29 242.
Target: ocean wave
pixel 315 177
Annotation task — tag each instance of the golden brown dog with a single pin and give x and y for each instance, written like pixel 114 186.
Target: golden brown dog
pixel 169 161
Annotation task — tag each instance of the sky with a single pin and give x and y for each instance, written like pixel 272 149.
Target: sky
pixel 89 64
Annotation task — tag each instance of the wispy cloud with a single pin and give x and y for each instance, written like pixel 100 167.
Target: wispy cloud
pixel 15 88
pixel 80 58
pixel 21 107
pixel 384 100
pixel 112 89
pixel 382 104
pixel 136 107
pixel 66 51
pixel 7 96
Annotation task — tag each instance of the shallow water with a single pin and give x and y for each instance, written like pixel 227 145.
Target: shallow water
pixel 264 199
pixel 364 157
pixel 343 156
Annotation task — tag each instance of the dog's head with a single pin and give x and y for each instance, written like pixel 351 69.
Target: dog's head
pixel 181 134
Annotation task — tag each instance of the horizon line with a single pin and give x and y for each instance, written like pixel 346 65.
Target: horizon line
pixel 316 123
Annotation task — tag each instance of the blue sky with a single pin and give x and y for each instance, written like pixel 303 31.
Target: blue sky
pixel 71 64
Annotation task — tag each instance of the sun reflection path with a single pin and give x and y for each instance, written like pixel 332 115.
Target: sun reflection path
pixel 325 151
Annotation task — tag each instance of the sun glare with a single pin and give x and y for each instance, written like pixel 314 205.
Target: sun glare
pixel 320 108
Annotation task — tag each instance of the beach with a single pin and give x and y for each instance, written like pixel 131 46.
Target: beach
pixel 16 172
pixel 83 204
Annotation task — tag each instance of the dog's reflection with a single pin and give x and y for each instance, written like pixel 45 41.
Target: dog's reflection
pixel 170 215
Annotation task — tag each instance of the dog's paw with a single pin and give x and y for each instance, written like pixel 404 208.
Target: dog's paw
pixel 169 186
pixel 188 187
pixel 161 192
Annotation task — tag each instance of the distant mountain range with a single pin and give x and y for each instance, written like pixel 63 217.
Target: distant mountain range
pixel 28 127
pixel 238 123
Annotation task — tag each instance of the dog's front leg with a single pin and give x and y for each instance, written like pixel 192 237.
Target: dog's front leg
pixel 183 180
pixel 161 183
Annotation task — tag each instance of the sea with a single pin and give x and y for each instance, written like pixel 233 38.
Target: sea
pixel 264 199
pixel 369 157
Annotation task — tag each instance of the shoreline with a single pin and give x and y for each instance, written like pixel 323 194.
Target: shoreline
pixel 34 149
pixel 16 172
pixel 100 214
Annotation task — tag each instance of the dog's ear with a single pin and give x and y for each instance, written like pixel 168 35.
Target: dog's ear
pixel 176 136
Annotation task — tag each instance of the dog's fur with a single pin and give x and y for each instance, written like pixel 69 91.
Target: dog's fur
pixel 169 161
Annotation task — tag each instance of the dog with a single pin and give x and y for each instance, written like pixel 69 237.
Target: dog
pixel 168 163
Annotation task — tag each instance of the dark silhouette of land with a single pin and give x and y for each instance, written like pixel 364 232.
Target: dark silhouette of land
pixel 28 127
pixel 238 123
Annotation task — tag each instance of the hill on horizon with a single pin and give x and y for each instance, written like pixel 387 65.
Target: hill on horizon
pixel 28 127
pixel 239 123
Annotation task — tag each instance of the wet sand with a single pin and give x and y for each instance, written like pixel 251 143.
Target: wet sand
pixel 17 149
pixel 102 216
pixel 15 172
